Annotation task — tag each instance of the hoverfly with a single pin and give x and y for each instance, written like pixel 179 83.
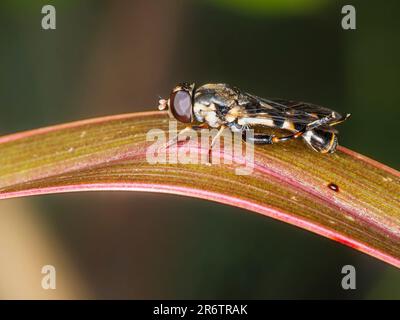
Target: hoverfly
pixel 224 106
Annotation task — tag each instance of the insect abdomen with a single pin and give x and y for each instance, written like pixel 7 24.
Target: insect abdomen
pixel 321 141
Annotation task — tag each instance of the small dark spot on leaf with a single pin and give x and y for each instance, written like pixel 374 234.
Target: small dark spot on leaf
pixel 333 187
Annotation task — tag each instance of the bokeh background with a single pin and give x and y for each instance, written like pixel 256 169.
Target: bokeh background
pixel 110 57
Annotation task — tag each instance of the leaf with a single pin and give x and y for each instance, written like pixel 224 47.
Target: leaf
pixel 289 182
pixel 273 6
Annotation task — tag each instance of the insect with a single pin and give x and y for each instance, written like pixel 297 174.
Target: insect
pixel 224 106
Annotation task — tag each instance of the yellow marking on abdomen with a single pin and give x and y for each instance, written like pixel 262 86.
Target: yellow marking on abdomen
pixel 252 121
pixel 288 125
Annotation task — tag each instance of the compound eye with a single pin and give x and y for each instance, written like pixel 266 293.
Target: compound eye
pixel 181 106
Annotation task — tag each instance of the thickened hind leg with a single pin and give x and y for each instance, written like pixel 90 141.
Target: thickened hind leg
pixel 260 138
pixel 257 138
pixel 289 137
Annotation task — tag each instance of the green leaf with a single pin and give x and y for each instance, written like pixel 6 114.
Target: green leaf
pixel 289 182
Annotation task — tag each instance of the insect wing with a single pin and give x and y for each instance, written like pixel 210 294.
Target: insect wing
pixel 279 110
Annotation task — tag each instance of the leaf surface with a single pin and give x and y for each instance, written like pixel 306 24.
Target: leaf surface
pixel 289 182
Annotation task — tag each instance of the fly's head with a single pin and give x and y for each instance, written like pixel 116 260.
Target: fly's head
pixel 180 103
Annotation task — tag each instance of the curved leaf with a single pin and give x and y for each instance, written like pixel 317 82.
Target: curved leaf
pixel 289 182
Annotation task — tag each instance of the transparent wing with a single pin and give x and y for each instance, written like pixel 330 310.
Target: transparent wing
pixel 300 113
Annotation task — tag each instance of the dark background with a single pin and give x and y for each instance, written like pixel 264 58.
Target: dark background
pixel 110 57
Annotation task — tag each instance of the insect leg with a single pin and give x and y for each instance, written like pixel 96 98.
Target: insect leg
pixel 260 138
pixel 340 120
pixel 330 120
pixel 214 139
pixel 291 136
pixel 176 138
pixel 184 130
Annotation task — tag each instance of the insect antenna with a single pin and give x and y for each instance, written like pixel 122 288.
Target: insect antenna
pixel 162 103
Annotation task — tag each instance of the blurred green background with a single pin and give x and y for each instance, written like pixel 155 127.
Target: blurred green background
pixel 110 57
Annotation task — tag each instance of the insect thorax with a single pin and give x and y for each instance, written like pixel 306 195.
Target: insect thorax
pixel 216 105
